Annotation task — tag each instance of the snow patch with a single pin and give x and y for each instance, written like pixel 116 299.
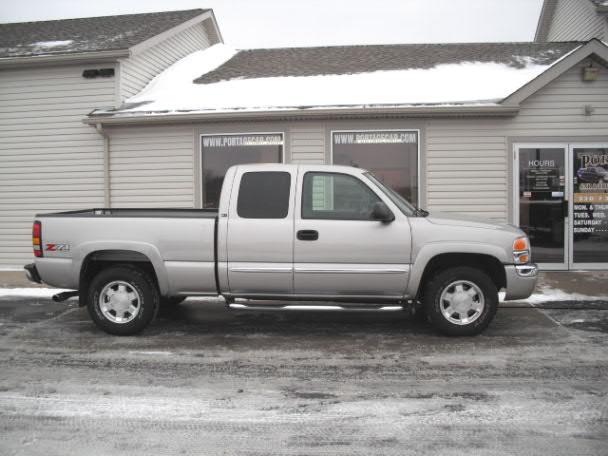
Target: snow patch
pixel 52 44
pixel 465 83
pixel 30 292
pixel 547 294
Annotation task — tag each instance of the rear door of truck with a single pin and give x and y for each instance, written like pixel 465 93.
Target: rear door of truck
pixel 258 228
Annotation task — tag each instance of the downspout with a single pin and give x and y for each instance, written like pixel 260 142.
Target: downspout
pixel 107 195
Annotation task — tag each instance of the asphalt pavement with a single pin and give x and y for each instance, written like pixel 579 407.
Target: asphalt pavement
pixel 206 380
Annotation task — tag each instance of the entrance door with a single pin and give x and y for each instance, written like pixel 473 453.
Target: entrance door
pixel 541 203
pixel 589 242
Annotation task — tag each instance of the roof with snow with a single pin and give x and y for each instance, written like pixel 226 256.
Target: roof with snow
pixel 90 34
pixel 220 81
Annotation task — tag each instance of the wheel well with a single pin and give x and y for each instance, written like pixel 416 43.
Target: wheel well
pixel 102 259
pixel 487 263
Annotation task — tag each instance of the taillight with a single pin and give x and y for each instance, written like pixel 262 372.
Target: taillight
pixel 37 239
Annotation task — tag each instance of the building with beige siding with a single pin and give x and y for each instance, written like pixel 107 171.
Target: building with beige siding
pixel 514 132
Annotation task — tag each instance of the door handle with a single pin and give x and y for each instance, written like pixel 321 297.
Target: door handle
pixel 307 235
pixel 565 208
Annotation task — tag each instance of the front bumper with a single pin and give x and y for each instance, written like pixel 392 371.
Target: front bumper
pixel 32 273
pixel 521 280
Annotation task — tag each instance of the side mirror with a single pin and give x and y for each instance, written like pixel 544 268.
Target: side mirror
pixel 382 213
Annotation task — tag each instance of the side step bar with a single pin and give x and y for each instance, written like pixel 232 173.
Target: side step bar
pixel 384 308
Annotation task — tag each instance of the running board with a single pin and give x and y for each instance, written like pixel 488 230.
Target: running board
pixel 395 308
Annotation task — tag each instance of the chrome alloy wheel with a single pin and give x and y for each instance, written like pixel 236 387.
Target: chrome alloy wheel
pixel 462 302
pixel 119 302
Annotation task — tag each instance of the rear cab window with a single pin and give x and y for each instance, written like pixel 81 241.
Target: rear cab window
pixel 264 195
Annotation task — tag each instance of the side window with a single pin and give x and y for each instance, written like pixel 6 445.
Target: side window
pixel 264 195
pixel 333 196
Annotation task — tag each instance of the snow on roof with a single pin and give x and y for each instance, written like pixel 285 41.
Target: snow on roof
pixel 465 83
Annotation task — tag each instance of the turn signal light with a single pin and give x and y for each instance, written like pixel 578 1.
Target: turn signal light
pixel 521 251
pixel 37 239
pixel 520 244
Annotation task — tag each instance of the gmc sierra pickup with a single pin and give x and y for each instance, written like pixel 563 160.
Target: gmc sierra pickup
pixel 322 236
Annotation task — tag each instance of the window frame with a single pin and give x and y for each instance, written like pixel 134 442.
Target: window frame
pixel 375 130
pixel 336 219
pixel 200 174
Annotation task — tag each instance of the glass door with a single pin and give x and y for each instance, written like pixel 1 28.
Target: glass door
pixel 541 201
pixel 589 212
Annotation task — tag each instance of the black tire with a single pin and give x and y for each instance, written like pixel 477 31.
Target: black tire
pixel 442 281
pixel 171 301
pixel 147 294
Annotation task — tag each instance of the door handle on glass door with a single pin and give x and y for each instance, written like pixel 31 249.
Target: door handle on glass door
pixel 307 235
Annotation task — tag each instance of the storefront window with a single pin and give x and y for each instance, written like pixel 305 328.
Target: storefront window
pixel 220 152
pixel 590 212
pixel 391 155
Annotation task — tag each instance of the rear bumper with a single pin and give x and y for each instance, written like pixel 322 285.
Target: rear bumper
pixel 32 273
pixel 521 280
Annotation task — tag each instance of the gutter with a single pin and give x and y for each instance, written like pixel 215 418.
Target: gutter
pixel 63 58
pixel 303 114
pixel 107 196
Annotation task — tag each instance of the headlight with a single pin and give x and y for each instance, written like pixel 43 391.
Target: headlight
pixel 521 250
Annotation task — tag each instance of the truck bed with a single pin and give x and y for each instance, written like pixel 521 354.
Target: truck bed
pixel 137 212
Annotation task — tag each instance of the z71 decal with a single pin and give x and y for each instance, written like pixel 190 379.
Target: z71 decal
pixel 57 247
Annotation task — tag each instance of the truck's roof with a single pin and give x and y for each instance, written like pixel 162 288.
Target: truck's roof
pixel 307 167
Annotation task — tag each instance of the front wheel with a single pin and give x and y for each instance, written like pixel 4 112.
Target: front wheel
pixel 460 301
pixel 122 300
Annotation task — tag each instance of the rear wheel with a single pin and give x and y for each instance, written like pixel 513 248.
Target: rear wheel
pixel 460 301
pixel 122 300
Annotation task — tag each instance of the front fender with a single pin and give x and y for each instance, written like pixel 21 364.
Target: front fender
pixel 433 249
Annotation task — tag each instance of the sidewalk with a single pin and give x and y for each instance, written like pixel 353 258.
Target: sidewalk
pixel 552 286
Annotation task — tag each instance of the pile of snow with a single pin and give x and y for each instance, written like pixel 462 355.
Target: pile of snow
pixel 465 83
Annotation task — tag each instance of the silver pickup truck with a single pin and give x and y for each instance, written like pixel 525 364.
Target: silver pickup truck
pixel 285 237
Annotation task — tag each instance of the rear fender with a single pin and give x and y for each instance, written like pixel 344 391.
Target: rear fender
pixel 148 250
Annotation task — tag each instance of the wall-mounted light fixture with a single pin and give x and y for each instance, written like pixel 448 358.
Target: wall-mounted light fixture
pixel 590 73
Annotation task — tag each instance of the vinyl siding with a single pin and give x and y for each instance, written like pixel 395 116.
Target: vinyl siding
pixel 138 70
pixel 49 160
pixel 152 166
pixel 577 20
pixel 307 144
pixel 468 160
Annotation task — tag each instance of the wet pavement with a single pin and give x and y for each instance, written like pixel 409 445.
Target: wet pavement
pixel 204 380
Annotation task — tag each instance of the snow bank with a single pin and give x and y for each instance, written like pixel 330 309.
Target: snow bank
pixel 465 83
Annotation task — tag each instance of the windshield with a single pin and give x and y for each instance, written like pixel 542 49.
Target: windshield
pixel 404 206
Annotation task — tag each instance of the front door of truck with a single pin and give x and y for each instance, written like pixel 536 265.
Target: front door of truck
pixel 260 231
pixel 339 249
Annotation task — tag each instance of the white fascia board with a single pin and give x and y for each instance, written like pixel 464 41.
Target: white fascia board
pixel 559 67
pixel 140 47
pixel 299 114
pixel 80 57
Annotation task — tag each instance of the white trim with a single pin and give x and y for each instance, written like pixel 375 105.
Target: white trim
pixel 200 152
pixel 544 145
pixel 150 42
pixel 417 130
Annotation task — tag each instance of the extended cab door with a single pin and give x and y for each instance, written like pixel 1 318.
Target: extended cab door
pixel 339 249
pixel 257 231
